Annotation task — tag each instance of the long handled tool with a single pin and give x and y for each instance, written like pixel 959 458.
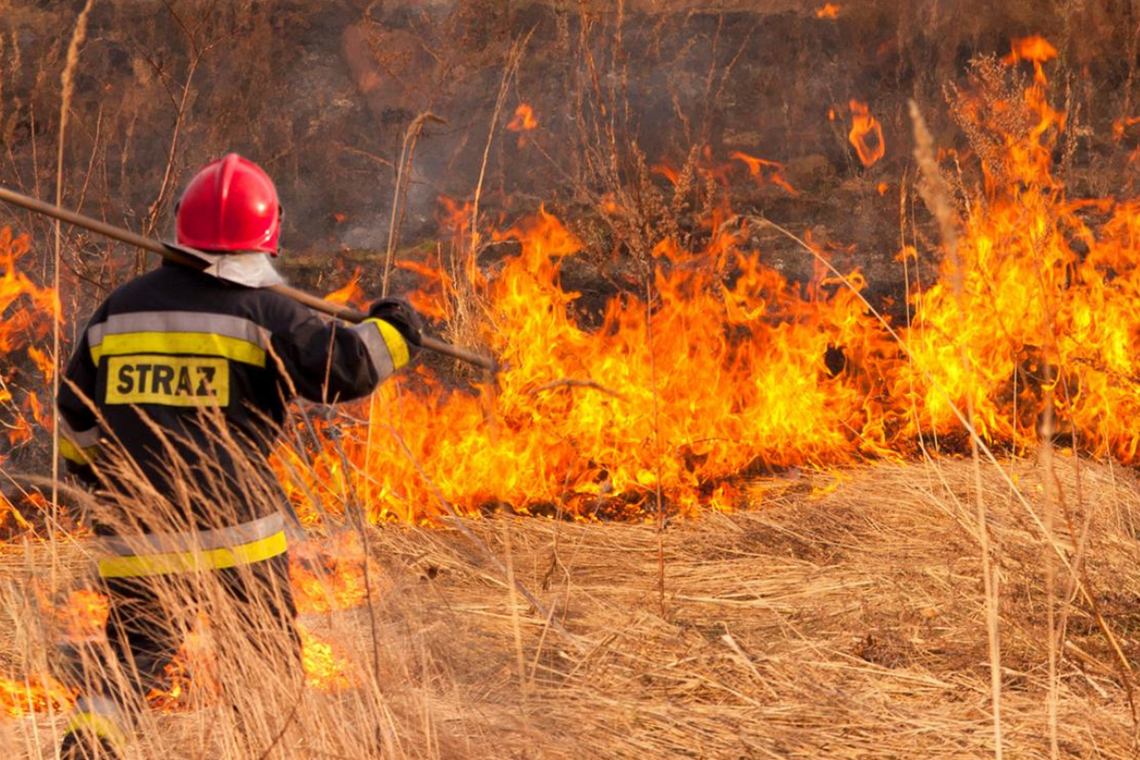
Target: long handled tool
pixel 184 256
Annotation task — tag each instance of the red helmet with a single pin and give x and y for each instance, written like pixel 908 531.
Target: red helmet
pixel 230 205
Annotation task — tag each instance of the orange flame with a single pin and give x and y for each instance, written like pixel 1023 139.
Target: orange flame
pixel 829 10
pixel 27 312
pixel 524 120
pixel 339 583
pixel 757 167
pixel 349 294
pixel 755 368
pixel 84 617
pixel 668 172
pixel 1035 49
pixel 326 669
pixel 34 694
pixel 716 365
pixel 863 124
pixel 1119 126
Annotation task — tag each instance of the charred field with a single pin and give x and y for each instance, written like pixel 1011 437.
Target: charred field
pixel 815 429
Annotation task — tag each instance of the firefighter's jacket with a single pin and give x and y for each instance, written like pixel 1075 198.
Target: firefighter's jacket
pixel 185 379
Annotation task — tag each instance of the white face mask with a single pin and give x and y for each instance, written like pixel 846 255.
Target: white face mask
pixel 253 270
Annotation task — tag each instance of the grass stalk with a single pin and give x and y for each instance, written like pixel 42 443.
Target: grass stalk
pixel 67 85
pixel 934 192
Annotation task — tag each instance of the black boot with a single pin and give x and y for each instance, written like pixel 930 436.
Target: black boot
pixel 81 744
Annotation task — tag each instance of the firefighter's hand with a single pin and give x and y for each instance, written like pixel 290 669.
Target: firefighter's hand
pixel 400 314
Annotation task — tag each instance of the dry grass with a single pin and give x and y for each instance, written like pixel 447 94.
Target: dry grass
pixel 845 623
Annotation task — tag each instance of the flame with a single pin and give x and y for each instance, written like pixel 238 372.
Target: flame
pixel 863 124
pixel 1035 49
pixel 524 120
pixel 339 584
pixel 35 306
pixel 27 311
pixel 34 694
pixel 829 10
pixel 44 363
pixel 84 616
pixel 1120 125
pixel 8 510
pixel 715 375
pixel 349 294
pixel 668 172
pixel 713 365
pixel 757 167
pixel 326 669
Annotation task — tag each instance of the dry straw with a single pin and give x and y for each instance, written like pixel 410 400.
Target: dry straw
pixel 842 620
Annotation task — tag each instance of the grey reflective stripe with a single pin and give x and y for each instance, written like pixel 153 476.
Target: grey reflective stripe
pixel 84 439
pixel 179 322
pixel 194 540
pixel 97 705
pixel 377 348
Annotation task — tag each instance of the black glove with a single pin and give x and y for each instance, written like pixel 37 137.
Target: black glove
pixel 400 314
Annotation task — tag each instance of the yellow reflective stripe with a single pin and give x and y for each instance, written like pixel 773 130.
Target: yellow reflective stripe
pixel 201 344
pixel 73 453
pixel 100 725
pixel 185 562
pixel 397 346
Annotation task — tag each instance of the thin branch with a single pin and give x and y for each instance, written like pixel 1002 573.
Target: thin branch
pixel 403 172
pixel 568 382
pixel 513 59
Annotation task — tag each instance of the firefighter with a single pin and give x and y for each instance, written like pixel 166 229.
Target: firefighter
pixel 183 378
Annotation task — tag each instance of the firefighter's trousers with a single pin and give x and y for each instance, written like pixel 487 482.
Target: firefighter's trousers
pixel 146 626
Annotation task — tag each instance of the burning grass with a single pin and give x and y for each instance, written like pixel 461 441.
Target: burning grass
pixel 845 619
pixel 882 609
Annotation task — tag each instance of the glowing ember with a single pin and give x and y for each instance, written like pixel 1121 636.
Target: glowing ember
pixel 830 10
pixel 864 125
